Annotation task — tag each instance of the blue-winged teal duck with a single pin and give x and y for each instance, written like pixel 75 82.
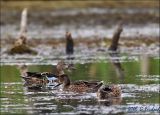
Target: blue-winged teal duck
pixel 39 79
pixel 109 91
pixel 79 86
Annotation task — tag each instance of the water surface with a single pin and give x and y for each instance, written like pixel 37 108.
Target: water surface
pixel 140 89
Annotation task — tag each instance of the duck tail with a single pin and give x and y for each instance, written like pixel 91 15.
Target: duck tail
pixel 26 78
pixel 34 80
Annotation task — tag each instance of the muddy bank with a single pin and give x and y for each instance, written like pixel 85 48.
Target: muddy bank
pixel 129 42
pixel 85 51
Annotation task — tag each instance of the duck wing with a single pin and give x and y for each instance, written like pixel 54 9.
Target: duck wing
pixel 34 83
pixel 90 86
pixel 49 75
pixel 36 79
pixel 34 74
pixel 30 75
pixel 41 75
pixel 88 83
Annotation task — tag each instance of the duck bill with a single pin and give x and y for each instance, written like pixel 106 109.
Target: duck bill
pixel 70 67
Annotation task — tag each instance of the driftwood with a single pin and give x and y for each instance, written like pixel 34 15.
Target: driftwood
pixel 21 49
pixel 113 47
pixel 20 46
pixel 115 38
pixel 69 43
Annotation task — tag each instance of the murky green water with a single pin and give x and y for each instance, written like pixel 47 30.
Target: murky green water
pixel 140 90
pixel 138 74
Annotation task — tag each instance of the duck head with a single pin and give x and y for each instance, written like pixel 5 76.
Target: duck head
pixel 109 91
pixel 61 66
pixel 23 69
pixel 103 92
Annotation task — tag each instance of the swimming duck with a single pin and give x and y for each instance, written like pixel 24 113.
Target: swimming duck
pixel 39 79
pixel 78 86
pixel 109 91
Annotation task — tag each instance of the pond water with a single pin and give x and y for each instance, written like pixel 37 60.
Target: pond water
pixel 82 31
pixel 139 83
pixel 135 69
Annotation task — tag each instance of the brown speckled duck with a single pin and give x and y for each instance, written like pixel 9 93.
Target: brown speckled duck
pixel 79 86
pixel 39 79
pixel 109 91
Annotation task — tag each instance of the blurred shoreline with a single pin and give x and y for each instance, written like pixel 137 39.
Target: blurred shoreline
pixel 63 4
pixel 92 23
pixel 83 23
pixel 96 42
